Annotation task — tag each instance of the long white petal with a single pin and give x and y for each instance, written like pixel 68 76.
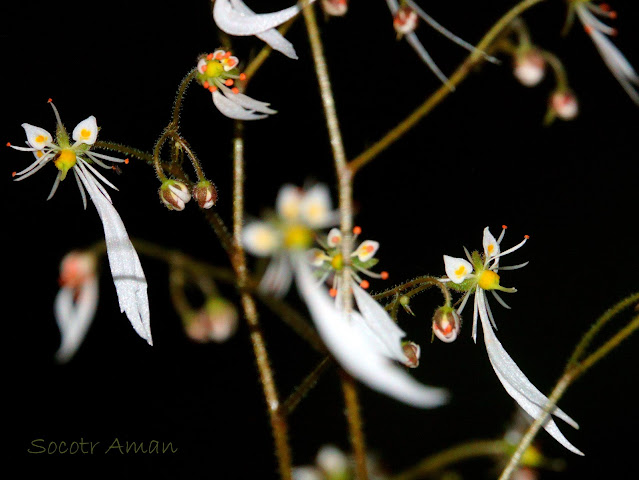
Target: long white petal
pixel 278 277
pixel 354 353
pixel 380 323
pixel 246 101
pixel 412 39
pixel 126 269
pixel 517 384
pixel 234 110
pixel 74 319
pixel 237 21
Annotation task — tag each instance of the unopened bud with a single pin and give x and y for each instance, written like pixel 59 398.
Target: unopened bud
pixel 405 20
pixel 205 194
pixel 216 321
pixel 335 8
pixel 530 67
pixel 332 461
pixel 174 194
pixel 446 324
pixel 412 352
pixel 76 268
pixel 564 105
pixel 404 301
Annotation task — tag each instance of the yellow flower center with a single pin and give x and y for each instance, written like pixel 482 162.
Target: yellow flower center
pixel 298 237
pixel 214 69
pixel 488 280
pixel 337 262
pixel 65 161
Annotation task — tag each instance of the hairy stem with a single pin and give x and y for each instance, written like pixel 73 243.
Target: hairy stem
pixel 306 386
pixel 353 414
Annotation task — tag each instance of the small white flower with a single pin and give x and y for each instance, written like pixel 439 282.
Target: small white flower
pixel 335 8
pixel 477 276
pixel 126 269
pixel 564 105
pixel 218 72
pixel 405 22
pixel 529 67
pixel 599 32
pixel 235 18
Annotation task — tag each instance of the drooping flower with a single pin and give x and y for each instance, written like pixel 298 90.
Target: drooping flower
pixel 477 275
pixel 599 32
pixel 218 72
pixel 216 321
pixel 562 104
pixel 529 66
pixel 335 8
pixel 76 302
pixel 235 18
pixel 298 214
pixel 174 194
pixel 77 157
pixel 405 19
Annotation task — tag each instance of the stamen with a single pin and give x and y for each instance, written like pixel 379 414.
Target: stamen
pixel 229 82
pixel 212 89
pixel 527 237
pixel 13 174
pixel 235 90
pixel 227 54
pixel 209 56
pixel 206 84
pixel 126 161
pixel 384 275
pixel 357 230
pixel 333 292
pixel 242 76
pixel 604 7
pixel 588 29
pixel 364 284
pixel 8 144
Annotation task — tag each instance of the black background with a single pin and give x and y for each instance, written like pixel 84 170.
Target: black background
pixel 482 158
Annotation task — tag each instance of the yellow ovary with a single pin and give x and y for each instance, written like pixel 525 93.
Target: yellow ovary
pixel 337 262
pixel 488 280
pixel 214 69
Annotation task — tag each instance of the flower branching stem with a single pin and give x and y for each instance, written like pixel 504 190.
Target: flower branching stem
pixel 473 60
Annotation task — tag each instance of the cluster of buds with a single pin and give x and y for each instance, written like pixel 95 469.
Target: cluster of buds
pixel 175 194
pixel 446 324
pixel 216 321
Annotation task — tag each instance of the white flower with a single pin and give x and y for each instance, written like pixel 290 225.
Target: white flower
pixel 477 275
pixel 126 269
pixel 218 72
pixel 612 57
pixel 405 22
pixel 76 302
pixel 363 343
pixel 235 18
pixel 335 8
pixel 530 67
pixel 298 214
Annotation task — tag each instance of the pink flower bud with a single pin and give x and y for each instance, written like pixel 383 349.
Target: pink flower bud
pixel 564 105
pixel 529 68
pixel 205 194
pixel 412 352
pixel 216 321
pixel 335 8
pixel 174 194
pixel 446 324
pixel 76 268
pixel 405 20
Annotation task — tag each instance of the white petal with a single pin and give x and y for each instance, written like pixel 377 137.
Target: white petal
pixel 315 209
pixel 37 137
pixel 276 41
pixel 457 269
pixel 74 319
pixel 260 239
pixel 288 202
pixel 238 19
pixel 233 110
pixel 412 39
pixel 128 276
pixel 491 245
pixel 354 353
pixel 380 323
pixel 86 131
pixel 277 279
pixel 334 238
pixel 517 384
pixel 246 101
pixel 366 250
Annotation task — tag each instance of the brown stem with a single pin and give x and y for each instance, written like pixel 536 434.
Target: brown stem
pixel 353 414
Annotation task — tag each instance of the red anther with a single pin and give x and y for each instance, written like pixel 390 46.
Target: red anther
pixel 588 29
pixel 227 54
pixel 364 284
pixel 209 56
pixel 229 82
pixel 526 237
pixel 235 90
pixel 384 275
pixel 206 84
pixel 126 161
pixel 242 76
pixel 50 100
pixel 333 292
pixel 8 144
pixel 504 227
pixel 612 14
pixel 357 230
pixel 13 174
pixel 605 7
pixel 212 89
pixel 219 56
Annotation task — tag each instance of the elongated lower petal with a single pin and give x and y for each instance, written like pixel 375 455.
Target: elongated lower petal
pixel 247 102
pixel 517 384
pixel 278 277
pixel 128 276
pixel 412 39
pixel 234 110
pixel 354 353
pixel 74 317
pixel 235 18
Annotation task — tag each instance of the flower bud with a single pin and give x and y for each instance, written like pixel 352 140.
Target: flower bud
pixel 529 67
pixel 332 461
pixel 335 8
pixel 564 105
pixel 216 321
pixel 174 194
pixel 76 268
pixel 405 20
pixel 446 324
pixel 412 352
pixel 205 194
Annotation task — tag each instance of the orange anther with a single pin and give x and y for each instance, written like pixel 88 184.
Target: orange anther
pixel 242 76
pixel 357 230
pixel 212 89
pixel 588 29
pixel 605 7
pixel 526 237
pixel 235 90
pixel 209 56
pixel 206 84
pixel 13 174
pixel 612 14
pixel 364 284
pixel 8 144
pixel 614 32
pixel 227 54
pixel 333 292
pixel 50 100
pixel 229 82
pixel 126 161
pixel 384 275
pixel 504 227
pixel 219 56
